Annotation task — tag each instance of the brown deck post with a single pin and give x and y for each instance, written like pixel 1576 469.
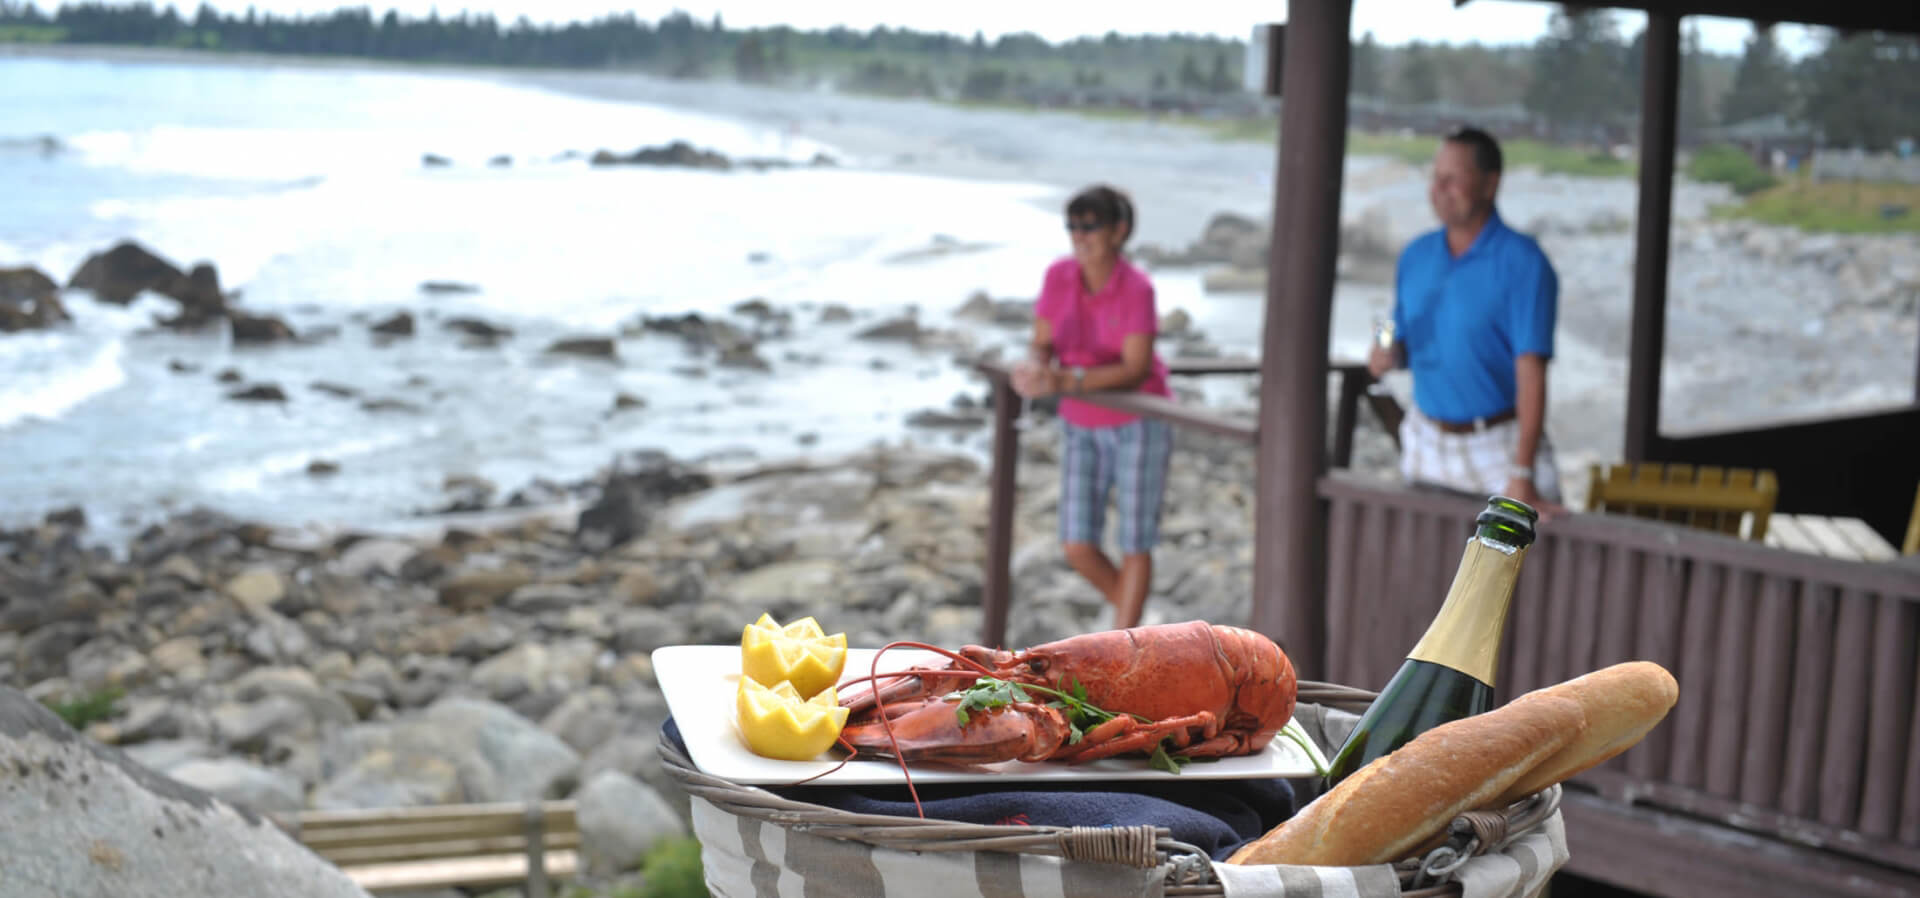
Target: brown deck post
pixel 996 586
pixel 1659 100
pixel 1289 565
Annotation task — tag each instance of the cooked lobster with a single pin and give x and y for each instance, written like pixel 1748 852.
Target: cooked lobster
pixel 1193 689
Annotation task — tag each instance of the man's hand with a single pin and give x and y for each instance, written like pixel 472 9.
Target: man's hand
pixel 1523 489
pixel 1380 360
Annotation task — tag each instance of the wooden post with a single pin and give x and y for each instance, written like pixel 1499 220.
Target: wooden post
pixel 997 585
pixel 1289 565
pixel 1659 104
pixel 536 817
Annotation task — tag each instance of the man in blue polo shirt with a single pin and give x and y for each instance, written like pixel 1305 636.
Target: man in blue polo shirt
pixel 1473 315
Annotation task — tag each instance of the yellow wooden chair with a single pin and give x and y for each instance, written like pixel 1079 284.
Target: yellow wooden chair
pixel 1912 545
pixel 1707 497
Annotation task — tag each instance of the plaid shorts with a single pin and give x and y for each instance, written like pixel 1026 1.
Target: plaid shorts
pixel 1473 463
pixel 1094 460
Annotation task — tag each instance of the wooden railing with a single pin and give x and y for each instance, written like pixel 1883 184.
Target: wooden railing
pixel 1798 674
pixel 996 589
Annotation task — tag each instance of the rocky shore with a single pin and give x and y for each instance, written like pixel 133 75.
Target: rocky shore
pixel 281 672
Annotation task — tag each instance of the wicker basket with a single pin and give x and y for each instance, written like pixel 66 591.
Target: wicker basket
pixel 1112 859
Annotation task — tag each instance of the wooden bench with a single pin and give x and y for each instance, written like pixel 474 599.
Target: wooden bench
pixel 1734 501
pixel 446 846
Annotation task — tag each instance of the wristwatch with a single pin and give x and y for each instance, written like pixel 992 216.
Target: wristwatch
pixel 1517 471
pixel 1079 379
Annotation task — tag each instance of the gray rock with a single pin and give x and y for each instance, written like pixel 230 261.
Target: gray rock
pixel 276 639
pixel 620 819
pixel 242 784
pixel 584 719
pixel 369 555
pixel 80 819
pixel 385 778
pixel 535 598
pixel 163 755
pixel 458 750
pixel 246 727
pixel 295 683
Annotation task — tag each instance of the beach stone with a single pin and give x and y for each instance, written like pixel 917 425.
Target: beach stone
pixel 636 586
pixel 770 584
pixel 906 330
pixel 119 274
pixel 589 347
pixel 162 755
pixel 448 287
pixel 180 657
pixel 536 598
pixel 370 555
pixel 84 819
pixel 624 401
pixel 399 325
pixel 106 663
pixel 259 393
pixel 243 784
pixel 621 819
pixel 479 589
pixel 474 327
pixel 247 726
pixel 297 684
pixel 478 751
pixel 29 300
pixel 583 720
pixel 257 588
pixel 259 329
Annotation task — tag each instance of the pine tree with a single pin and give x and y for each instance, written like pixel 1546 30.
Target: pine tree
pixel 1579 80
pixel 1760 86
pixel 1365 66
pixel 1864 91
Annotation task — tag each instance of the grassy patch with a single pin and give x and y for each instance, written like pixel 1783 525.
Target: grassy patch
pixel 1840 207
pixel 32 34
pixel 87 709
pixel 670 870
pixel 1722 164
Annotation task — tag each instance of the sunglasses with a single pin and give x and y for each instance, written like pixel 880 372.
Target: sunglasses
pixel 1085 227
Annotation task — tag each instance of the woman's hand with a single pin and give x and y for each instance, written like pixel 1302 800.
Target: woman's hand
pixel 1032 380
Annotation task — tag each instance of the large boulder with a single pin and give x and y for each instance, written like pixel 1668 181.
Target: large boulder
pixel 123 272
pixel 458 750
pixel 80 820
pixel 620 820
pixel 29 300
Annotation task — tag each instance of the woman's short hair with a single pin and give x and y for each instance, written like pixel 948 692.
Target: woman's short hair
pixel 1108 204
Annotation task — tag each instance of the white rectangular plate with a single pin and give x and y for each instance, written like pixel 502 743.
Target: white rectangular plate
pixel 699 682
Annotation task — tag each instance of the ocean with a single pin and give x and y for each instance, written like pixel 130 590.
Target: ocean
pixel 304 185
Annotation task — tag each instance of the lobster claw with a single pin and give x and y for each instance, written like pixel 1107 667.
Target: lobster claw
pixel 932 732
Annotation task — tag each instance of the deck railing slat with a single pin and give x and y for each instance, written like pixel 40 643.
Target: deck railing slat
pixel 1697 663
pixel 1808 702
pixel 1657 639
pixel 1527 625
pixel 1564 556
pixel 1371 580
pixel 1590 594
pixel 1732 677
pixel 1910 793
pixel 1771 668
pixel 1345 553
pixel 1843 757
pixel 1892 712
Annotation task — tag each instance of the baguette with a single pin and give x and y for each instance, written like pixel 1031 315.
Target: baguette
pixel 1621 704
pixel 1391 806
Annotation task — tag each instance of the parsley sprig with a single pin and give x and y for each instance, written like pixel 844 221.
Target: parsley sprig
pixel 991 693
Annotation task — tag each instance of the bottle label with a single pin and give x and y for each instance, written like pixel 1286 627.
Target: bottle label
pixel 1465 635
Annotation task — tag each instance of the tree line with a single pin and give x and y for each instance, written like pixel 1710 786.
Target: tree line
pixel 1579 82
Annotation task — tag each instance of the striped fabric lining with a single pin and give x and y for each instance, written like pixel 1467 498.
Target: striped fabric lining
pixel 748 858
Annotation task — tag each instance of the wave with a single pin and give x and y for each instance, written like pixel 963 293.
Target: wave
pixel 40 386
pixel 251 476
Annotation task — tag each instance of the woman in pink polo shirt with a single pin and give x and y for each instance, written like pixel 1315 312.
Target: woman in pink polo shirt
pixel 1093 331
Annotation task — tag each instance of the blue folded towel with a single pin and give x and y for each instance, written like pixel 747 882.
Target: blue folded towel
pixel 1215 816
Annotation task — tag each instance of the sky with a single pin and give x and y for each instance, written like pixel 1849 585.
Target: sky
pixel 1391 21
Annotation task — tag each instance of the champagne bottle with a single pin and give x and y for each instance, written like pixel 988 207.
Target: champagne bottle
pixel 1450 672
